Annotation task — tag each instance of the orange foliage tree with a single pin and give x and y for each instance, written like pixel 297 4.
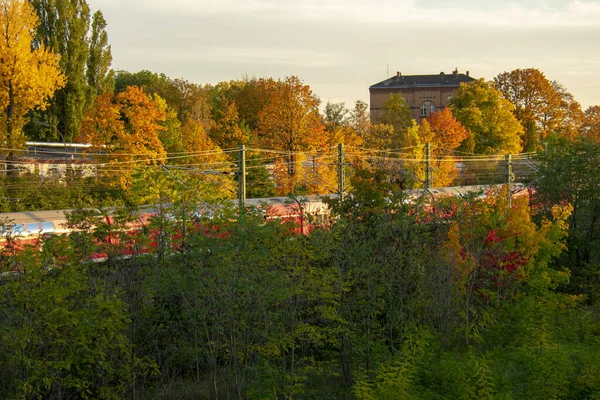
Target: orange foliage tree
pixel 542 106
pixel 226 131
pixel 445 134
pixel 591 125
pixel 124 129
pixel 290 122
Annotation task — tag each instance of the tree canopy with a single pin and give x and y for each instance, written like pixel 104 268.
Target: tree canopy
pixel 488 118
pixel 543 107
pixel 64 27
pixel 123 128
pixel 29 76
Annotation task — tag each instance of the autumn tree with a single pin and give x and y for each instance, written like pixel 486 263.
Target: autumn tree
pixel 569 116
pixel 591 125
pixel 29 76
pixel 379 136
pixel 170 135
pixel 227 131
pixel 207 158
pixel 251 95
pixel 447 132
pixel 190 101
pixel 541 106
pixel 290 121
pixel 488 118
pixel 569 175
pixel 124 130
pixel 498 253
pixel 188 145
pixel 359 119
pixel 339 127
pixel 443 133
pixel 396 113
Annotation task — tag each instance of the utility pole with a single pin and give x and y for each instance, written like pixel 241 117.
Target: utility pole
pixel 510 177
pixel 427 166
pixel 341 171
pixel 242 177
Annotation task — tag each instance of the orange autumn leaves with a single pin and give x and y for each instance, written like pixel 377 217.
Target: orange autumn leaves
pixel 290 122
pixel 132 128
pixel 124 130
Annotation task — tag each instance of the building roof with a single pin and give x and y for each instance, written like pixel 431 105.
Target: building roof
pixel 399 81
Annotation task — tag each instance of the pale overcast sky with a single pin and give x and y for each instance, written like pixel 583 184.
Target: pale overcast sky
pixel 341 47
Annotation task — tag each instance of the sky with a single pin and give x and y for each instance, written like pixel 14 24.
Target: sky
pixel 341 47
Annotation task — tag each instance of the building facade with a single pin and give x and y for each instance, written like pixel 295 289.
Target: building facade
pixel 424 94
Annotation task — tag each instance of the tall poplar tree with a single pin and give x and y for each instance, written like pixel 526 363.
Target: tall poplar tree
pixel 100 78
pixel 85 58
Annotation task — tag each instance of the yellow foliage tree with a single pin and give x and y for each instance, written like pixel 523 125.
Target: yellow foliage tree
pixel 27 77
pixel 210 161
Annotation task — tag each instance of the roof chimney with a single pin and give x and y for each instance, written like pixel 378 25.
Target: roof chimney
pixel 467 73
pixel 455 72
pixel 398 73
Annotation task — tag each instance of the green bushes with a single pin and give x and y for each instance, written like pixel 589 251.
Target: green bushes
pixel 385 303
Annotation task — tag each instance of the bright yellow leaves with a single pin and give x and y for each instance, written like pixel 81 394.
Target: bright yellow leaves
pixel 27 77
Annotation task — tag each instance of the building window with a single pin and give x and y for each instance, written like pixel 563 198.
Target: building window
pixel 427 108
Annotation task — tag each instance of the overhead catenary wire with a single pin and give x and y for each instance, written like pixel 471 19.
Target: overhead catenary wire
pixel 308 159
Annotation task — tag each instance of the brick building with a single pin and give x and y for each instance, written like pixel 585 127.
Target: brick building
pixel 423 93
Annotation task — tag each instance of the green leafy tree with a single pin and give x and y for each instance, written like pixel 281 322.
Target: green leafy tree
pixel 62 331
pixel 100 78
pixel 63 29
pixel 335 115
pixel 566 177
pixel 489 119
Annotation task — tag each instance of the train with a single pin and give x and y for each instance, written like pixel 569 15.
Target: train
pixel 305 212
